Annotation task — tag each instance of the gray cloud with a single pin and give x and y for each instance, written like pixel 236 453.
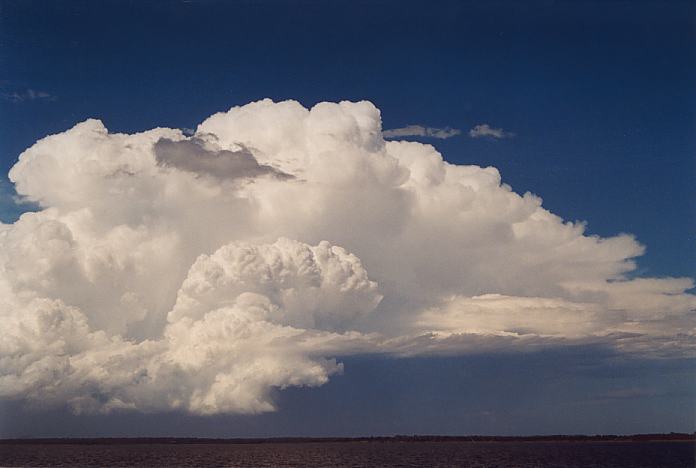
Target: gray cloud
pixel 192 156
pixel 419 130
pixel 485 130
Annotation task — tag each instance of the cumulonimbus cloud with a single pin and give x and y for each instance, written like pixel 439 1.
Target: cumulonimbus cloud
pixel 200 272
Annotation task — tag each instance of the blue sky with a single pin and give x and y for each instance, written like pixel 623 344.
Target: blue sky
pixel 599 96
pixel 576 391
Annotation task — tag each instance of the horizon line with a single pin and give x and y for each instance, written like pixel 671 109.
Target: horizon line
pixel 641 437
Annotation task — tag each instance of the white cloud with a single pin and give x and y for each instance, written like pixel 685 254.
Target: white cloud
pixel 27 95
pixel 166 271
pixel 421 131
pixel 485 130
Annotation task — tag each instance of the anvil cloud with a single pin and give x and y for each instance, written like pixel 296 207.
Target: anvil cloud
pixel 198 273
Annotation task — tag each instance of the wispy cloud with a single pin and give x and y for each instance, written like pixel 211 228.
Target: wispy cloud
pixel 27 95
pixel 485 130
pixel 419 130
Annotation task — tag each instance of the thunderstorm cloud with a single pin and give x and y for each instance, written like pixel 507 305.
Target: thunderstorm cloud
pixel 200 272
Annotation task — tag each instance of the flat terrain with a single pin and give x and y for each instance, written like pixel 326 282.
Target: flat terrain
pixel 619 452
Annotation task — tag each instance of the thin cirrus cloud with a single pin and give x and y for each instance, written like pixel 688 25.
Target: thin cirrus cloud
pixel 421 131
pixel 27 95
pixel 485 130
pixel 153 278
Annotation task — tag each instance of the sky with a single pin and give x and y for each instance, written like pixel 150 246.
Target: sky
pixel 441 293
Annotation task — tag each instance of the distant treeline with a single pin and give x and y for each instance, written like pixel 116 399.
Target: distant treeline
pixel 672 436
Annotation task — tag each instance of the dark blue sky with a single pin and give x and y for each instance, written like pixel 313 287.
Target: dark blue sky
pixel 571 391
pixel 600 95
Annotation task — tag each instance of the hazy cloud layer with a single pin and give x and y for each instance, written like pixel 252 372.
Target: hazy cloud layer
pixel 419 130
pixel 154 278
pixel 485 130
